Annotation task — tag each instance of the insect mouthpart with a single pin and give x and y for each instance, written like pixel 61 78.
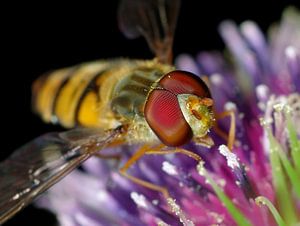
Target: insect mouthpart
pixel 197 112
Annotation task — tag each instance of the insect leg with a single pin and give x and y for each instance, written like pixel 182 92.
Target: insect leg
pixel 176 150
pixel 230 137
pixel 135 158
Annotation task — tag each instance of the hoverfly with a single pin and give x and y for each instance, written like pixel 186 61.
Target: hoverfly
pixel 113 102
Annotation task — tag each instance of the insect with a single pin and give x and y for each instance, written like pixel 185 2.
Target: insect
pixel 113 102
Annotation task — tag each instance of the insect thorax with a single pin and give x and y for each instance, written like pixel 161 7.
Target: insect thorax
pixel 130 93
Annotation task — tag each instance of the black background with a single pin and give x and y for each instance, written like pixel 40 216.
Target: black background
pixel 42 36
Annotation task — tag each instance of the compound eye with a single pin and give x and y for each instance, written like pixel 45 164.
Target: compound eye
pixel 163 114
pixel 162 110
pixel 183 82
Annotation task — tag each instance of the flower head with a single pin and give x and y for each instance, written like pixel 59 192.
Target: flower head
pixel 257 183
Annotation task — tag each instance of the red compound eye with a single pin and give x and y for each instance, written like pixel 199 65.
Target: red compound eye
pixel 179 82
pixel 164 116
pixel 162 110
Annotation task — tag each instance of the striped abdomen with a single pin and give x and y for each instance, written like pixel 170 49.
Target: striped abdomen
pixel 96 94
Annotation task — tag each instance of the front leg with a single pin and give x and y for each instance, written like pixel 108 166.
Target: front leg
pixel 139 154
pixel 230 136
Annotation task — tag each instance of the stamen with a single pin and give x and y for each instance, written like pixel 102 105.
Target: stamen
pixel 216 79
pixel 200 168
pixel 161 223
pixel 218 218
pixel 237 215
pixel 262 92
pixel 265 122
pixel 279 179
pixel 229 106
pixel 293 139
pixel 139 199
pixel 279 107
pixel 231 158
pixel 169 168
pixel 261 200
pixel 239 172
pixel 178 212
pixel 293 104
pixel 155 202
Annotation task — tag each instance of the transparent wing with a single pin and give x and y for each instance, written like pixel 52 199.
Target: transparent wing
pixel 39 164
pixel 153 19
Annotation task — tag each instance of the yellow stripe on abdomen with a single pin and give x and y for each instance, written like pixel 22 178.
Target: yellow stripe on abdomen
pixel 69 96
pixel 88 112
pixel 44 91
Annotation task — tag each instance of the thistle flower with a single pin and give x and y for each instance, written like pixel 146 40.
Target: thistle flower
pixel 255 184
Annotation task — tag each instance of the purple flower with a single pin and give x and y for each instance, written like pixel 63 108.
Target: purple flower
pixel 256 184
